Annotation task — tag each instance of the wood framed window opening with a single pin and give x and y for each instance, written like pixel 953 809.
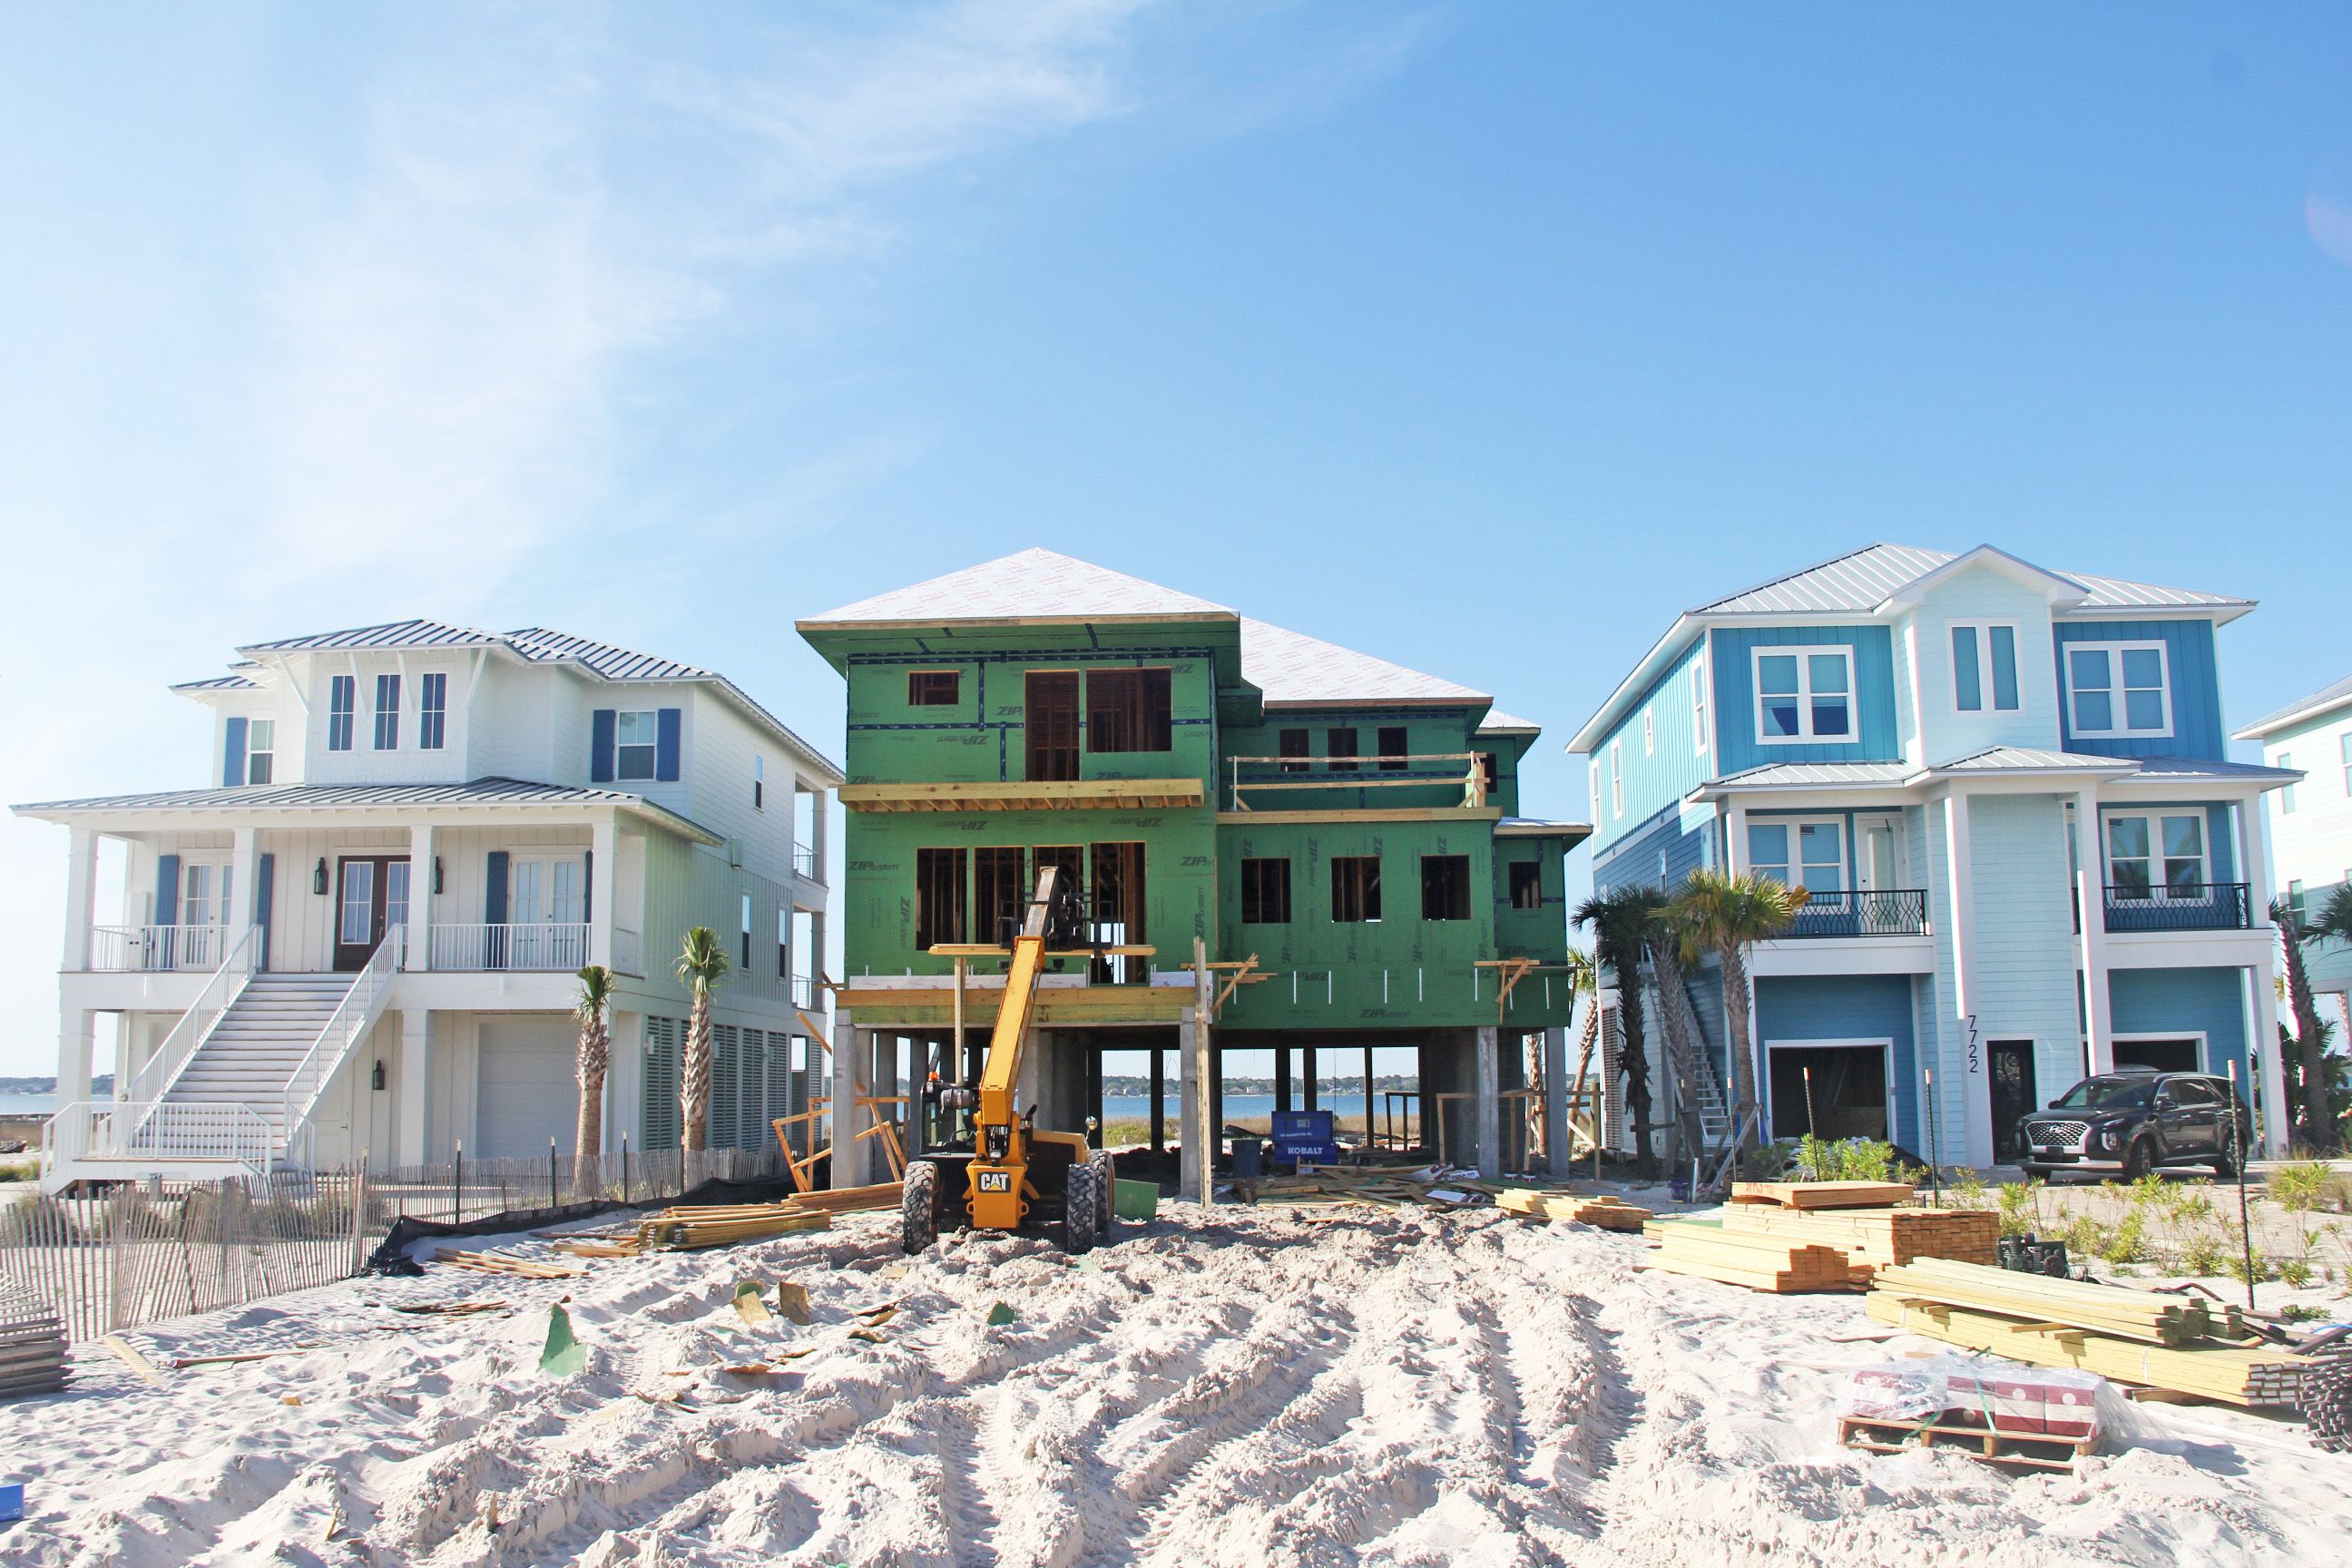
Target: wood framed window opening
pixel 1445 887
pixel 1294 743
pixel 939 911
pixel 1527 884
pixel 1266 892
pixel 1130 709
pixel 997 894
pixel 1052 709
pixel 1390 744
pixel 1116 902
pixel 1356 889
pixel 1341 746
pixel 934 688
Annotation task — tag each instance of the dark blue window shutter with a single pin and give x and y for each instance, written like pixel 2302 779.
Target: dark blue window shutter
pixel 588 885
pixel 233 754
pixel 494 893
pixel 600 746
pixel 665 749
pixel 265 899
pixel 167 889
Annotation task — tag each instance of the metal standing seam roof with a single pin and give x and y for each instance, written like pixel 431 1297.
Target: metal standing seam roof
pixel 2032 760
pixel 2319 702
pixel 1814 776
pixel 1862 580
pixel 1497 723
pixel 219 683
pixel 474 793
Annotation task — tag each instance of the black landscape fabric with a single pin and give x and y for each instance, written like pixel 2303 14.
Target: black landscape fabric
pixel 392 1255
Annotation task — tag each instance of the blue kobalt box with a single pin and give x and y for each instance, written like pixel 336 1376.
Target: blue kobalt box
pixel 12 1504
pixel 1303 1137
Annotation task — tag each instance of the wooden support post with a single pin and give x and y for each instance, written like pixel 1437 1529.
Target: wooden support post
pixel 1489 1104
pixel 1282 1078
pixel 1368 1097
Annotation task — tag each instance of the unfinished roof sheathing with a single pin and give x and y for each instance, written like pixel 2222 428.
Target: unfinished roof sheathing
pixel 1296 670
pixel 1034 586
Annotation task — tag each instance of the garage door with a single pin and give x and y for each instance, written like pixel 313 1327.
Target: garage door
pixel 527 1091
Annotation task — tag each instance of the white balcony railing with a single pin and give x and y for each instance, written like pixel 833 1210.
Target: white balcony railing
pixel 804 861
pixel 351 1019
pixel 804 991
pixel 159 948
pixel 234 968
pixel 122 1129
pixel 511 947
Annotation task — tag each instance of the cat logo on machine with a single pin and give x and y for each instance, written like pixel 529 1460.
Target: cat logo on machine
pixel 995 1181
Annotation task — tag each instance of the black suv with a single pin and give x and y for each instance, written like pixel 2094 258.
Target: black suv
pixel 2134 1119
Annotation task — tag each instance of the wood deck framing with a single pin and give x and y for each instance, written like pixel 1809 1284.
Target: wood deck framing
pixel 1062 794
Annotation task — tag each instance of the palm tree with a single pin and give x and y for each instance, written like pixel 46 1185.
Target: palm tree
pixel 1582 980
pixel 595 1055
pixel 2335 919
pixel 1621 920
pixel 701 965
pixel 1719 913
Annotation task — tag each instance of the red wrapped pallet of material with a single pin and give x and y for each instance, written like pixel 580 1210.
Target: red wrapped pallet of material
pixel 1969 1391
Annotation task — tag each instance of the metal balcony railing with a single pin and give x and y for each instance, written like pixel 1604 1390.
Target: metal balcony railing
pixel 156 947
pixel 2190 905
pixel 1876 911
pixel 804 861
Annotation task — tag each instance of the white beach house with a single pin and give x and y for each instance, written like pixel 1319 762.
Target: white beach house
pixel 2311 821
pixel 360 934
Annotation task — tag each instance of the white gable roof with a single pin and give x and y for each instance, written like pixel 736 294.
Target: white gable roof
pixel 1860 582
pixel 1033 586
pixel 1293 668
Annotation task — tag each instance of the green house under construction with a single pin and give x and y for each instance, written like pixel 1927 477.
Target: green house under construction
pixel 1341 837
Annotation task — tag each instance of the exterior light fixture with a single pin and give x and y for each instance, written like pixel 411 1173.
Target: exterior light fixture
pixel 437 873
pixel 375 1078
pixel 319 876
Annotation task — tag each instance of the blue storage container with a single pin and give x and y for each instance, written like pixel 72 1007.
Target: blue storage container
pixel 1302 1126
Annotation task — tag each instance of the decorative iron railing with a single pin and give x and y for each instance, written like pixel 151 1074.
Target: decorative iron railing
pixel 1875 911
pixel 2193 906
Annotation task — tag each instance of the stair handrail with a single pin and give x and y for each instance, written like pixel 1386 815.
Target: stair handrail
pixel 155 1078
pixel 338 1035
pixel 1677 1025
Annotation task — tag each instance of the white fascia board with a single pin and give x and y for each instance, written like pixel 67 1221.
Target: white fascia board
pixel 2157 786
pixel 184 819
pixel 2220 614
pixel 2055 589
pixel 1827 798
pixel 2318 712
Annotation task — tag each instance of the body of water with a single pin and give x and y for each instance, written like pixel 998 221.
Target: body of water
pixel 27 1104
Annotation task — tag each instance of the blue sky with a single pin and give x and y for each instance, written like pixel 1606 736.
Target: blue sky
pixel 1480 337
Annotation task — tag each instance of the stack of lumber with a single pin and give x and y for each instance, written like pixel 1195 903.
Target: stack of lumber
pixel 1878 1238
pixel 32 1346
pixel 1824 1194
pixel 505 1263
pixel 1778 1264
pixel 684 1229
pixel 2130 1336
pixel 1327 1185
pixel 1601 1210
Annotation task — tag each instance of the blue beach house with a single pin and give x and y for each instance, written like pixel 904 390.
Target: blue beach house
pixel 2008 792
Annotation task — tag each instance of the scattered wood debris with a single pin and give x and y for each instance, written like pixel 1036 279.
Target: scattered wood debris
pixel 508 1264
pixel 686 1229
pixel 1599 1210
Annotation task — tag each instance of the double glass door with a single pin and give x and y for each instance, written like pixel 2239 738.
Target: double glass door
pixel 372 896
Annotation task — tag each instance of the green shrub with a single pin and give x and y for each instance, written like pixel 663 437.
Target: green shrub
pixel 2237 1269
pixel 1969 1190
pixel 2295 1272
pixel 2299 1188
pixel 2204 1254
pixel 2085 1237
pixel 1848 1160
pixel 2020 1213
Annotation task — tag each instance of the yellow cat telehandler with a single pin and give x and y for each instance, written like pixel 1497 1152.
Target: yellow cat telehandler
pixel 985 1163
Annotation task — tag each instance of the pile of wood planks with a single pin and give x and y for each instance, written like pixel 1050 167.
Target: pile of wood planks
pixel 2130 1336
pixel 1777 1265
pixel 505 1263
pixel 1599 1209
pixel 1317 1187
pixel 686 1229
pixel 32 1346
pixel 1824 1194
pixel 1878 1238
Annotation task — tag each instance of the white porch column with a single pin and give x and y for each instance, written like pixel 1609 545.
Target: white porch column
pixel 419 935
pixel 77 1043
pixel 1735 841
pixel 2269 1093
pixel 82 896
pixel 409 1118
pixel 605 851
pixel 1964 1079
pixel 1489 1102
pixel 1556 1089
pixel 244 866
pixel 2091 910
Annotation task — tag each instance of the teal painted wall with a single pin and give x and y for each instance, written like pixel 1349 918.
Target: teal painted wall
pixel 2196 682
pixel 1847 1007
pixel 1878 739
pixel 1655 778
pixel 2185 1001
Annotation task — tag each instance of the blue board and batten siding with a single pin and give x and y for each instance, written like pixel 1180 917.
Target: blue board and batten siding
pixel 1877 737
pixel 1659 854
pixel 1657 775
pixel 2190 671
pixel 2179 1003
pixel 1846 1007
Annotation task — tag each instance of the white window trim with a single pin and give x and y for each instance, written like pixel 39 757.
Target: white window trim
pixel 1648 732
pixel 1985 687
pixel 252 751
pixel 1699 704
pixel 1795 825
pixel 2286 790
pixel 1884 1043
pixel 1804 652
pixel 2116 650
pixel 653 768
pixel 2158 886
pixel 1617 778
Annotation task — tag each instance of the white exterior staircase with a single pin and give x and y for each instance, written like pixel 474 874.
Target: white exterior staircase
pixel 232 1089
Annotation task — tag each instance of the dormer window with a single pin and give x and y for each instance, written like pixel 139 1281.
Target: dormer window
pixel 637 744
pixel 1805 694
pixel 342 693
pixel 261 751
pixel 2119 691
pixel 432 711
pixel 1984 666
pixel 387 712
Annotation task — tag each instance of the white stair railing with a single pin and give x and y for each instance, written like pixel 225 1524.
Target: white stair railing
pixel 340 1035
pixel 109 1130
pixel 155 1077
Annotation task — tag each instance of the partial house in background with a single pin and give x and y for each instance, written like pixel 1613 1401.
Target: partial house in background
pixel 360 934
pixel 2008 792
pixel 2311 821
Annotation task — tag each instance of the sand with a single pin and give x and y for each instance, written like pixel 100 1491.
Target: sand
pixel 1256 1389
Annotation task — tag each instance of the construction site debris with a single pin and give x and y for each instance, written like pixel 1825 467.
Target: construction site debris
pixel 1824 1194
pixel 1777 1265
pixel 505 1263
pixel 687 1229
pixel 1601 1211
pixel 2112 1310
pixel 1878 1238
pixel 564 1355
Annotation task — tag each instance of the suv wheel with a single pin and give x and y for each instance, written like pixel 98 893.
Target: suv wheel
pixel 2224 1166
pixel 2139 1158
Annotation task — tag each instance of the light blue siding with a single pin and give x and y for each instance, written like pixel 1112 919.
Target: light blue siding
pixel 1737 747
pixel 2197 729
pixel 1847 1007
pixel 1657 775
pixel 2211 1001
pixel 1635 861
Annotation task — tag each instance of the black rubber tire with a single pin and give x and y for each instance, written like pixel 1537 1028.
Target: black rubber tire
pixel 2139 1159
pixel 2224 1167
pixel 918 1207
pixel 1081 1211
pixel 1106 1211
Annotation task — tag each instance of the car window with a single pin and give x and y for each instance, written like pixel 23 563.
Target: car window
pixel 2194 1091
pixel 2121 1091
